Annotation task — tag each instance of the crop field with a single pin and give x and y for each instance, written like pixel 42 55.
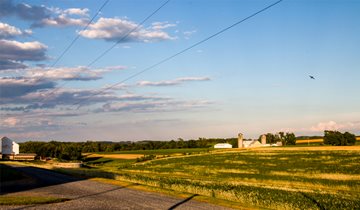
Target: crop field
pixel 275 178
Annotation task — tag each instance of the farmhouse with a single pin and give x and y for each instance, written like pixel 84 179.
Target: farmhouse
pixel 9 149
pixel 222 145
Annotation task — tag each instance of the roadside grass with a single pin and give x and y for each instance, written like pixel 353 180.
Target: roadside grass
pixel 28 200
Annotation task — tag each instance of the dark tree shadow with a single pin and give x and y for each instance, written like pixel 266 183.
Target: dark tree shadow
pixel 182 202
pixel 33 178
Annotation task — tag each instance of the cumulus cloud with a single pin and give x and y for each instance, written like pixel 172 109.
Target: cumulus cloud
pixel 19 86
pixel 65 73
pixel 161 25
pixel 153 106
pixel 8 31
pixel 44 16
pixel 9 64
pixel 36 79
pixel 332 125
pixel 115 29
pixel 13 53
pixel 23 11
pixel 10 121
pixel 80 73
pixel 61 21
pixel 77 11
pixel 177 81
pixel 21 51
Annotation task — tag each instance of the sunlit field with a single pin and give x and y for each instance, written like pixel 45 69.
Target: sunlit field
pixel 277 178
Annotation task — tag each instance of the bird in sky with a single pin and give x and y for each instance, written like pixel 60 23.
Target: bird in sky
pixel 311 77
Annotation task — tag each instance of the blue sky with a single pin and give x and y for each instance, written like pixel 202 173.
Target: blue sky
pixel 253 79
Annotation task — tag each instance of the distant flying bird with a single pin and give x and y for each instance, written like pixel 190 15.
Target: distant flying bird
pixel 311 77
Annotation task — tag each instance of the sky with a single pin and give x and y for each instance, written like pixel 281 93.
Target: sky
pixel 250 79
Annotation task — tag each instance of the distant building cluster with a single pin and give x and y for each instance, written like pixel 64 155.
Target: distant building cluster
pixel 9 149
pixel 248 143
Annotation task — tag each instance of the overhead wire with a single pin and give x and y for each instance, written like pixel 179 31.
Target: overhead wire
pixel 175 55
pixel 72 42
pixel 110 48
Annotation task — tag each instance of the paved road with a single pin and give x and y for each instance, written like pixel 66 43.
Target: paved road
pixel 86 194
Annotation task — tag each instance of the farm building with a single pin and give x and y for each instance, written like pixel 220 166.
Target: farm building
pixel 252 143
pixel 9 149
pixel 222 145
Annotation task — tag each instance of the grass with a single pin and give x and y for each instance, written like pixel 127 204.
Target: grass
pixel 28 200
pixel 161 151
pixel 275 178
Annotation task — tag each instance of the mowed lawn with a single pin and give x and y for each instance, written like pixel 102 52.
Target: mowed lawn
pixel 277 178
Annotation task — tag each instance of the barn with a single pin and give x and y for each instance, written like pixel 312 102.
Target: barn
pixel 222 145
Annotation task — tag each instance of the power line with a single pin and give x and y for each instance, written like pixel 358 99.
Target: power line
pixel 176 54
pixel 110 48
pixel 74 40
pixel 78 36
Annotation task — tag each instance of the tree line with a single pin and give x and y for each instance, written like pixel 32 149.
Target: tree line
pixel 73 150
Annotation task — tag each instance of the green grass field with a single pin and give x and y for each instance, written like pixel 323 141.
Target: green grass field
pixel 275 178
pixel 162 151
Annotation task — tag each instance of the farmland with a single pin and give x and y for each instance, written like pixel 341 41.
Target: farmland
pixel 281 178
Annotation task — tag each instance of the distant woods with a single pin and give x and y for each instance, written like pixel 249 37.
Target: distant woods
pixel 73 150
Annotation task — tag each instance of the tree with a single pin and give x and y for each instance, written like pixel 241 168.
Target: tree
pixel 287 138
pixel 337 138
pixel 271 138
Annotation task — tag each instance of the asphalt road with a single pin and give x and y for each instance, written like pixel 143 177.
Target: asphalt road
pixel 87 194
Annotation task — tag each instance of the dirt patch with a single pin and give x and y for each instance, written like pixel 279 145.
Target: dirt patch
pixel 117 156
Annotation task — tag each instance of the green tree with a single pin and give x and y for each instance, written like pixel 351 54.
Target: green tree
pixel 337 138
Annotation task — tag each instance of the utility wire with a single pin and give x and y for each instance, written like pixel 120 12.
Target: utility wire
pixel 110 48
pixel 74 40
pixel 176 54
pixel 78 36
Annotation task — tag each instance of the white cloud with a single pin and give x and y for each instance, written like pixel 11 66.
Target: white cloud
pixel 161 25
pixel 61 21
pixel 65 73
pixel 188 34
pixel 21 51
pixel 177 81
pixel 115 29
pixel 10 122
pixel 8 31
pixel 167 105
pixel 77 11
pixel 332 125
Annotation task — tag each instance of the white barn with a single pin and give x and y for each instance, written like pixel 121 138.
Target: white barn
pixel 8 147
pixel 222 145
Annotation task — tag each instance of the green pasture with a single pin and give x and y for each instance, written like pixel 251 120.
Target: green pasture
pixel 161 151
